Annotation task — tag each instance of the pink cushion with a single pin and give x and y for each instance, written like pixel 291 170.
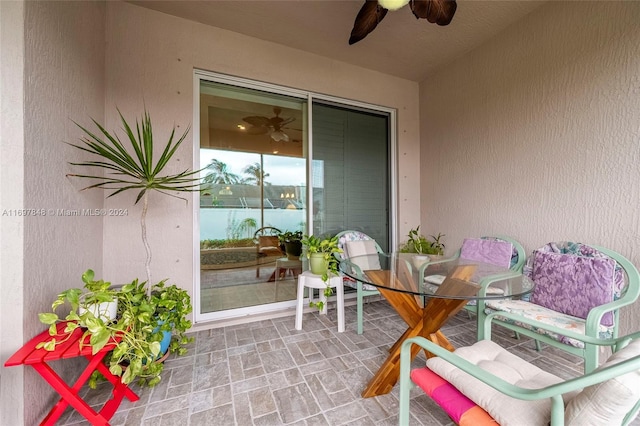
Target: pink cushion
pixel 494 252
pixel 573 285
pixel 461 409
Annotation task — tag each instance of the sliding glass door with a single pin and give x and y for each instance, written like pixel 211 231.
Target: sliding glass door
pixel 259 146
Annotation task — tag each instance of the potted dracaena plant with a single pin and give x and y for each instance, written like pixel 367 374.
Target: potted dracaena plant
pixel 322 261
pixel 152 310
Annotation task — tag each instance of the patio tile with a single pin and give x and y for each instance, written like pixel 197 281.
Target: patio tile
pixel 267 373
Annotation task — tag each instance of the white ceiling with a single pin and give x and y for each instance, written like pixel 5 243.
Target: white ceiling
pixel 401 45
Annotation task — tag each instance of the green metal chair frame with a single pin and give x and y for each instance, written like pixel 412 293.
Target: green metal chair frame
pixel 361 293
pixel 590 351
pixel 554 392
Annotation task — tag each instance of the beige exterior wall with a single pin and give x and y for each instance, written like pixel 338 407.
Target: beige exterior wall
pixel 140 73
pixel 536 134
pixel 56 67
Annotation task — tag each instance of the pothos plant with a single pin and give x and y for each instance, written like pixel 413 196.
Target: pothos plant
pixel 137 331
pixel 328 248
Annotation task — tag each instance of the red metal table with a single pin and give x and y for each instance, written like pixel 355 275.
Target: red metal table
pixel 72 348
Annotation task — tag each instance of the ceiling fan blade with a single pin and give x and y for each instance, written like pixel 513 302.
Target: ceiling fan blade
pixel 435 11
pixel 287 121
pixel 257 121
pixel 369 16
pixel 257 130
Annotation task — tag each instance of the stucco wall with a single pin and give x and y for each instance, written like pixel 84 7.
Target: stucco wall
pixel 11 194
pixel 536 134
pixel 59 64
pixel 140 73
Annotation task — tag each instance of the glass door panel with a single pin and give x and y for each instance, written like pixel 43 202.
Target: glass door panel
pixel 252 152
pixel 350 169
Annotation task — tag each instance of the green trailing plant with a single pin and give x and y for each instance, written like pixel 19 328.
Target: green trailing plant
pixel 138 329
pixel 290 236
pixel 130 166
pixel 417 243
pixel 82 313
pixel 327 246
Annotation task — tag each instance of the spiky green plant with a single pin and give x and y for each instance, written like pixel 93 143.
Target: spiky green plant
pixel 130 165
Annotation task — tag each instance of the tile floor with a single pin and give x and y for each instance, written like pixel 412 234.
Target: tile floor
pixel 239 288
pixel 267 373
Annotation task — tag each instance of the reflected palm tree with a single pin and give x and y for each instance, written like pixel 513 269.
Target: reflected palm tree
pixel 219 173
pixel 256 174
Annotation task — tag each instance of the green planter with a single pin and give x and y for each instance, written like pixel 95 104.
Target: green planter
pixel 318 264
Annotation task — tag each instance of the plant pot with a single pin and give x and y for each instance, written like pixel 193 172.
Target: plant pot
pixel 435 257
pixel 166 339
pixel 106 311
pixel 419 260
pixel 318 264
pixel 293 249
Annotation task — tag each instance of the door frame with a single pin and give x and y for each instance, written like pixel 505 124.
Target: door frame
pixel 310 97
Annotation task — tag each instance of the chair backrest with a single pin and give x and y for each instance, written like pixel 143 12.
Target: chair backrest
pixel 498 250
pixel 573 278
pixel 367 254
pixel 350 235
pixel 267 238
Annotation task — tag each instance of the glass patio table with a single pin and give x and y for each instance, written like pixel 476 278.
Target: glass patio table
pixel 426 295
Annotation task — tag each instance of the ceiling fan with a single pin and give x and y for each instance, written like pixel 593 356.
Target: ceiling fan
pixel 274 126
pixel 373 11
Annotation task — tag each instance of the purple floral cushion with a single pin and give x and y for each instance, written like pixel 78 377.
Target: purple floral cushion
pixel 494 252
pixel 572 284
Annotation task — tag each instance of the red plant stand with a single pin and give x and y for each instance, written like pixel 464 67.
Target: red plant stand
pixel 72 348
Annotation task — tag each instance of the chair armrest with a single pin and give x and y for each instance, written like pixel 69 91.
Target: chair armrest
pixel 425 265
pixel 490 279
pixel 355 268
pixel 592 322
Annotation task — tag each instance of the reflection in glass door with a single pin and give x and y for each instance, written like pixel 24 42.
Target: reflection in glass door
pixel 252 152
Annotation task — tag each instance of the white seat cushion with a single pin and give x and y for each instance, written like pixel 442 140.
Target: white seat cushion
pixel 608 402
pixel 546 317
pixel 512 369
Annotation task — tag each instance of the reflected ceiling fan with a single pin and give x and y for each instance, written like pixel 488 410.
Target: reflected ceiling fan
pixel 273 126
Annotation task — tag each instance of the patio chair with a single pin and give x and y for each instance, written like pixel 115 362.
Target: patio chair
pixel 367 246
pixel 579 288
pixel 484 384
pixel 267 245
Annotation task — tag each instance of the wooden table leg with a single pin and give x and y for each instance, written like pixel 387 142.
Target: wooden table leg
pixel 425 322
pixel 421 323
